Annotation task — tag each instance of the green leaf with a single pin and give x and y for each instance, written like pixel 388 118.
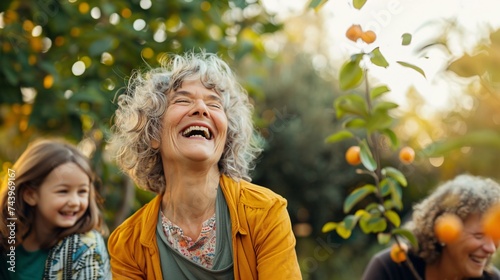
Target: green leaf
pixel 396 194
pixel 363 222
pixel 373 207
pixel 357 195
pixel 383 238
pixel 339 136
pixel 350 104
pixel 350 221
pixel 385 188
pixel 393 217
pixel 329 227
pixel 355 123
pixel 366 156
pixel 373 224
pixel 377 58
pixel 392 136
pixel 379 120
pixel 416 68
pixel 395 174
pixel 358 4
pixel 351 75
pixel 406 39
pixel 408 235
pixel 388 204
pixel 362 213
pixel 385 106
pixel 378 91
pixel 342 231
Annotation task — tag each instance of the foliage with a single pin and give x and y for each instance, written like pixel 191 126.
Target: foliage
pixel 368 118
pixel 294 118
pixel 483 65
pixel 62 64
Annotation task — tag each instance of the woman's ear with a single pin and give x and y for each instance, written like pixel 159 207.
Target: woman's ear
pixel 155 144
pixel 30 196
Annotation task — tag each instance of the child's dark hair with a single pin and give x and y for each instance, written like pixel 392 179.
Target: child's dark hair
pixel 29 172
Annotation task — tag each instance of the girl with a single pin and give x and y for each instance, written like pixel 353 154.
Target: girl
pixel 50 219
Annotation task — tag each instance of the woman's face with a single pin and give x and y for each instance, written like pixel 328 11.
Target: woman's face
pixel 472 251
pixel 194 125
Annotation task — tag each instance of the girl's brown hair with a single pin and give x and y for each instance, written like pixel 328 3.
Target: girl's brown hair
pixel 29 172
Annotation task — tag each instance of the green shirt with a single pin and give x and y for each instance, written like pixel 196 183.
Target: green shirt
pixel 28 265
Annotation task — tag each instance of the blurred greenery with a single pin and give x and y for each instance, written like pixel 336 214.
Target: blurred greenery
pixel 44 45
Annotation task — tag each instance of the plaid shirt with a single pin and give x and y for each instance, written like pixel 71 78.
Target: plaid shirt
pixel 79 256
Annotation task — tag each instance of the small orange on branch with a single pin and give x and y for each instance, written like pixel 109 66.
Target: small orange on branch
pixel 398 252
pixel 369 37
pixel 354 32
pixel 407 155
pixel 352 155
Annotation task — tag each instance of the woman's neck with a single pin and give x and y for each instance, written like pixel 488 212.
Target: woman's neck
pixel 189 200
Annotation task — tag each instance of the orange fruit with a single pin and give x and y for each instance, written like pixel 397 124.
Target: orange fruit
pixel 398 252
pixel 48 81
pixel 406 155
pixel 352 155
pixel 491 222
pixel 448 228
pixel 354 32
pixel 36 44
pixel 369 37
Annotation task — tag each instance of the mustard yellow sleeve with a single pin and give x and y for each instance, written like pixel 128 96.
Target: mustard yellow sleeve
pixel 275 244
pixel 125 257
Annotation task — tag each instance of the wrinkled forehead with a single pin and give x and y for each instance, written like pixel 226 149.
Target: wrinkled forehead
pixel 208 83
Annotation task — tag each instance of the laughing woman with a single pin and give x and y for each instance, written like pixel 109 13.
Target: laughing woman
pixel 469 257
pixel 184 131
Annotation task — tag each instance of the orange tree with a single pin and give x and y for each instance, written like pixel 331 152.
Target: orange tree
pixel 367 118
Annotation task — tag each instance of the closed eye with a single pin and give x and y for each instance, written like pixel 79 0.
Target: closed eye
pixel 215 105
pixel 181 101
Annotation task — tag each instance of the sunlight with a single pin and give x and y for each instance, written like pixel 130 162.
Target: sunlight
pixel 389 19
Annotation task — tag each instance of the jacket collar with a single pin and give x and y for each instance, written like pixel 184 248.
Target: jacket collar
pixel 232 192
pixel 149 222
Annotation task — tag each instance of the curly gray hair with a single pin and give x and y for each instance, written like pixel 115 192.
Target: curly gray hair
pixel 462 196
pixel 138 118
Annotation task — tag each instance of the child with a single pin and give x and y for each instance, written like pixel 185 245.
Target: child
pixel 50 218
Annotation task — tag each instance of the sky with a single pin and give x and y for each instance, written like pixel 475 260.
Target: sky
pixel 389 19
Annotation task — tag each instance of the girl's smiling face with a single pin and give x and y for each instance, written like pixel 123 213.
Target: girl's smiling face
pixel 62 198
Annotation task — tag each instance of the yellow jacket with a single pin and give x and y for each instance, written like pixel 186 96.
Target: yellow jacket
pixel 263 241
